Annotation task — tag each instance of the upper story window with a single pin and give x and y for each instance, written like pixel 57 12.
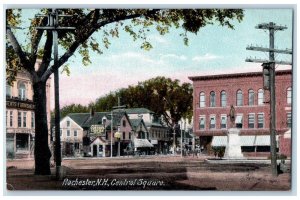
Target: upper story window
pixel 124 135
pixel 239 98
pixel 11 118
pixel 8 91
pixel 60 132
pixel 260 97
pixel 124 123
pixel 202 122
pixel 223 121
pixel 251 98
pixel 68 133
pixel 68 123
pixel 239 121
pixel 260 120
pixel 19 119
pixel 289 119
pixel 32 119
pixel 22 91
pixel 251 120
pixel 202 100
pixel 223 99
pixel 289 95
pixel 212 99
pixel 212 123
pixel 75 133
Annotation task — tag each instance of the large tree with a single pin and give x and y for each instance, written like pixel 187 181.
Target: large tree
pixel 136 22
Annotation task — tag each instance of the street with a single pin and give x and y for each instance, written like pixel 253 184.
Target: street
pixel 147 173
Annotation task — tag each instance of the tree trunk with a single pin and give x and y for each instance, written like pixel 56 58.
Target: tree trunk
pixel 42 152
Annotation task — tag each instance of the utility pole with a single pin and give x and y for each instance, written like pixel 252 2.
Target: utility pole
pixel 269 81
pixel 111 135
pixel 53 26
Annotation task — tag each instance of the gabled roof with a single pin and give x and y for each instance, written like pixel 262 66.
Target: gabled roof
pixel 135 123
pixel 135 110
pixel 85 120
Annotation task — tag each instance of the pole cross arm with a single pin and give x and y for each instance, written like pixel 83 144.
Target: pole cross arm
pixel 267 61
pixel 55 28
pixel 286 51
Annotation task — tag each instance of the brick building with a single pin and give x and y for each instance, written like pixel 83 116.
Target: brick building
pixel 20 117
pixel 213 96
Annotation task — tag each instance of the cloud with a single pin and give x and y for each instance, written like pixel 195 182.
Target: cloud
pixel 173 56
pixel 205 57
pixel 158 39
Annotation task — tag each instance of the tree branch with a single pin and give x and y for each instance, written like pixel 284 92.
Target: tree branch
pixel 35 40
pixel 26 64
pixel 84 36
pixel 47 54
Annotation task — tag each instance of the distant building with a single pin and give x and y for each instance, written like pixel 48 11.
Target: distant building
pixel 20 120
pixel 158 133
pixel 213 96
pixel 94 133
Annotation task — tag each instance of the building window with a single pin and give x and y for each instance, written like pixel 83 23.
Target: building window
pixel 212 122
pixel 11 119
pixel 202 122
pixel 60 132
pixel 8 91
pixel 24 118
pixel 129 135
pixel 68 133
pixel 19 119
pixel 124 135
pixel 223 99
pixel 6 122
pixel 260 120
pixel 32 119
pixel 239 98
pixel 289 120
pixel 202 100
pixel 223 121
pixel 251 98
pixel 22 93
pixel 68 123
pixel 239 121
pixel 124 123
pixel 75 133
pixel 260 97
pixel 289 95
pixel 251 120
pixel 212 99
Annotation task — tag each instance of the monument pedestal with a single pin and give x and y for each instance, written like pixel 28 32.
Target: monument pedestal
pixel 233 148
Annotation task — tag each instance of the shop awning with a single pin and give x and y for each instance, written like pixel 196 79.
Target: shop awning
pixel 263 140
pixel 142 143
pixel 247 140
pixel 219 141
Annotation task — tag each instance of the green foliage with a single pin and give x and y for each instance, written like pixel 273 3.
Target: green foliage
pixel 164 96
pixel 136 22
pixel 218 151
pixel 73 108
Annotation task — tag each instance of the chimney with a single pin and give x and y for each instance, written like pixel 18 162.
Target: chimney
pixel 92 112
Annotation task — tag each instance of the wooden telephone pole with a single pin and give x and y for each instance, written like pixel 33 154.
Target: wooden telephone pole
pixel 52 25
pixel 269 81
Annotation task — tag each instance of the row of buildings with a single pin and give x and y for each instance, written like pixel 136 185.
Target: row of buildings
pixel 119 132
pixel 122 131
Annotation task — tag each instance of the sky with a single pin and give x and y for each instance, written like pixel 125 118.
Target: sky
pixel 213 50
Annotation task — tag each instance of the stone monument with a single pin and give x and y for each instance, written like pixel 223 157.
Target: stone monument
pixel 233 147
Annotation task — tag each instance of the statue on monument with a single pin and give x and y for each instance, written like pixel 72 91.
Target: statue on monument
pixel 232 117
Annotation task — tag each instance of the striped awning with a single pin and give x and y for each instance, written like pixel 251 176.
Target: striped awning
pixel 219 141
pixel 142 143
pixel 246 140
